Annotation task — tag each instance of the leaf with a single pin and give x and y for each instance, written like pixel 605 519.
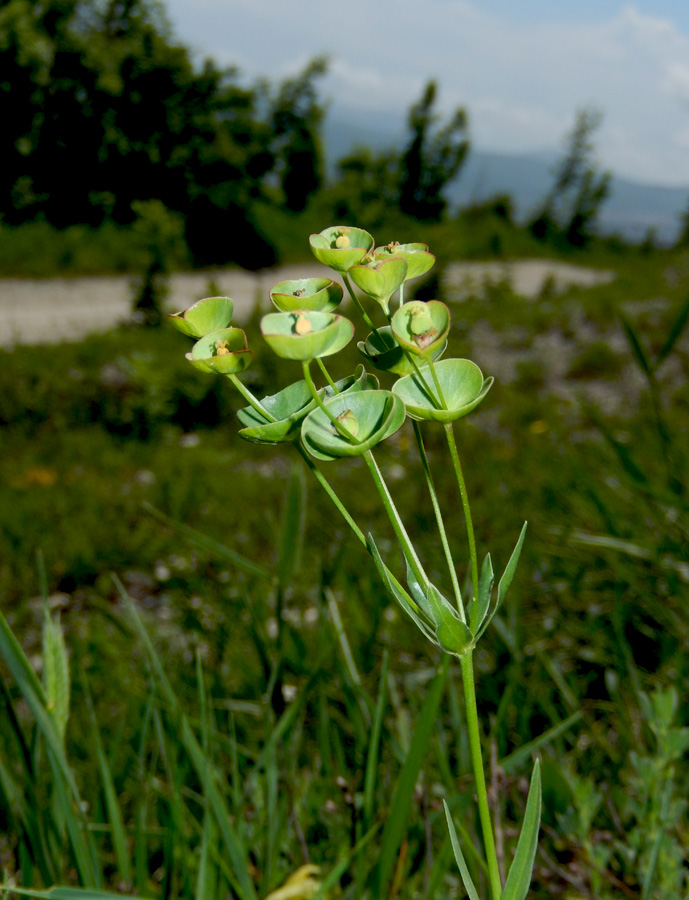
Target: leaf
pixel 521 754
pixel 115 818
pixel 206 772
pixel 399 594
pixel 469 886
pixel 374 743
pixel 453 635
pixel 64 893
pixel 506 580
pixel 673 336
pixel 396 820
pixel 210 544
pixel 34 695
pixel 519 877
pixel 479 608
pixel 292 531
pixel 637 349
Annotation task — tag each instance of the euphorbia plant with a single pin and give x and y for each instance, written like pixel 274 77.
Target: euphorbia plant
pixel 350 417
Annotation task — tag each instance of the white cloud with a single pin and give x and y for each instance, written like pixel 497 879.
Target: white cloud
pixel 520 82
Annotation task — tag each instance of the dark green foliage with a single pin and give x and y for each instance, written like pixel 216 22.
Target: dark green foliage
pixel 104 109
pixel 431 160
pixel 579 189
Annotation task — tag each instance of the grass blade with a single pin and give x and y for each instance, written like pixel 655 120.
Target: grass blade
pixel 34 695
pixel 404 789
pixel 519 877
pixel 207 773
pixel 292 531
pixel 112 806
pixel 637 349
pixel 374 743
pixel 220 551
pixel 526 751
pixel 467 881
pixel 674 335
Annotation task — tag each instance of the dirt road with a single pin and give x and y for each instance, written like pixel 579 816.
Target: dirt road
pixel 62 309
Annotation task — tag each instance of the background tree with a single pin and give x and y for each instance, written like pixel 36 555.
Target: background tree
pixel 296 118
pixel 432 159
pixel 579 189
pixel 103 109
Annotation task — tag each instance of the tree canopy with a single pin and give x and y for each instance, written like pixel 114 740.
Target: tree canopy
pixel 102 108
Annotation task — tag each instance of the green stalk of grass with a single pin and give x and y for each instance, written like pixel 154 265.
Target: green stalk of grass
pixel 396 820
pixel 206 773
pixel 374 745
pixel 85 856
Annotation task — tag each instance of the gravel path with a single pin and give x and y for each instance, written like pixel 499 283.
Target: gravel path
pixel 34 311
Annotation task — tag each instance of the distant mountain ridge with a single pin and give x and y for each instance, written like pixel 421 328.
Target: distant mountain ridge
pixel 631 210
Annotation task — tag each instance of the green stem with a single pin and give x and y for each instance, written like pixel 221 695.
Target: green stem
pixel 326 375
pixel 439 520
pixel 325 484
pixel 342 509
pixel 402 294
pixel 431 366
pixel 467 509
pixel 356 300
pixel 339 427
pixel 395 520
pixel 467 668
pixel 250 399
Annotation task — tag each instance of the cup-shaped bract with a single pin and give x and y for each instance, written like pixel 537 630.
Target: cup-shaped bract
pixel 419 260
pixel 384 353
pixel 461 382
pixel 304 334
pixel 320 294
pixel 369 416
pixel 210 314
pixel 290 405
pixel 421 326
pixel 380 279
pixel 224 351
pixel 341 246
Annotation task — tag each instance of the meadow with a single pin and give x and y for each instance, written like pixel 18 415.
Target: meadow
pixel 207 687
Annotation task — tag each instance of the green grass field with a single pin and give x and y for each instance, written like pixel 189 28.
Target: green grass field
pixel 284 711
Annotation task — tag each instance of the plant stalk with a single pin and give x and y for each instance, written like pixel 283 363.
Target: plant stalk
pixel 467 668
pixel 439 520
pixel 465 505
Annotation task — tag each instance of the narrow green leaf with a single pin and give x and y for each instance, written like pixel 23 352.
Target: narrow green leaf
pixel 526 751
pixel 292 531
pixel 396 820
pixel 112 806
pixel 206 878
pixel 479 609
pixel 208 775
pixel 506 580
pixel 32 691
pixel 469 886
pixel 398 593
pixel 675 332
pixel 220 551
pixel 342 865
pixel 373 745
pixel 521 870
pixel 64 893
pixel 637 349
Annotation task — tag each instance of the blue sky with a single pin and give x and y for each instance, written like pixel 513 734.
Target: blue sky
pixel 521 69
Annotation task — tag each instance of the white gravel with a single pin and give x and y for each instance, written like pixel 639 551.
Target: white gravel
pixel 35 311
